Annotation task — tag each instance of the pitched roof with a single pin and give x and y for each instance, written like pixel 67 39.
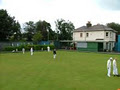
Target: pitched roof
pixel 97 27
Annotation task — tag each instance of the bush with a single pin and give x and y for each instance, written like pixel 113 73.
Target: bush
pixel 27 47
pixel 45 47
pixel 52 47
pixel 10 48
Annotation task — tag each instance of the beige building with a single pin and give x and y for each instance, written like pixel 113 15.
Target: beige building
pixel 101 37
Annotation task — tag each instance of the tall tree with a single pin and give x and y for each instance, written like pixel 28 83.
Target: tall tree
pixel 30 30
pixel 45 29
pixel 37 36
pixel 8 26
pixel 17 33
pixel 114 26
pixel 64 29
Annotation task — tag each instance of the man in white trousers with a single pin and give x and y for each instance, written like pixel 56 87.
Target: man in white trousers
pixel 31 50
pixel 23 50
pixel 115 70
pixel 48 48
pixel 109 67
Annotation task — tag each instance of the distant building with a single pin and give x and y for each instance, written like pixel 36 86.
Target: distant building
pixel 94 38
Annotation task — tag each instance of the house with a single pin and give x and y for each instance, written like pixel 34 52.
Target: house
pixel 94 38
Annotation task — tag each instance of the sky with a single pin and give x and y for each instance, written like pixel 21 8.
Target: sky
pixel 79 12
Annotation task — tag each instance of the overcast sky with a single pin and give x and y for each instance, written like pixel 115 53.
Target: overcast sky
pixel 79 12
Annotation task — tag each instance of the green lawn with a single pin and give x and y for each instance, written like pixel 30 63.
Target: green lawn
pixel 69 71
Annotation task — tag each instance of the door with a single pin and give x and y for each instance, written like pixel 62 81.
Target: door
pixel 100 46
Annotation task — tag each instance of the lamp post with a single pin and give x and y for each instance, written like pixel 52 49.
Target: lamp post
pixel 48 34
pixel 57 33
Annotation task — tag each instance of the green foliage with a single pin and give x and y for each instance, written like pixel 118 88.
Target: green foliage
pixel 43 27
pixel 45 47
pixel 114 26
pixel 37 37
pixel 30 30
pixel 64 29
pixel 10 48
pixel 27 47
pixel 17 33
pixel 9 27
pixel 69 71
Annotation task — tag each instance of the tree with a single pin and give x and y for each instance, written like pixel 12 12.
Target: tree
pixel 30 30
pixel 52 35
pixel 17 34
pixel 44 27
pixel 37 36
pixel 8 26
pixel 114 26
pixel 64 29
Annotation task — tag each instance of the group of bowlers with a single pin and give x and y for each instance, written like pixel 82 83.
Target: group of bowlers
pixel 109 64
pixel 48 49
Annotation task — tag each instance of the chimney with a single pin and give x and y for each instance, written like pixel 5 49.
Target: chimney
pixel 89 24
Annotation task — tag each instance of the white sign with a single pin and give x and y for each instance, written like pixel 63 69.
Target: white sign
pixel 81 45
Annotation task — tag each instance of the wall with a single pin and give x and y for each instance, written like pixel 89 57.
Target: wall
pixel 91 46
pixel 111 36
pixel 44 42
pixel 6 44
pixel 94 36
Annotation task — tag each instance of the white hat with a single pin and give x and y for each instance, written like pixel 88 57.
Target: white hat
pixel 111 58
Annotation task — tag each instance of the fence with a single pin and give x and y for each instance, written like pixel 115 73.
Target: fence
pixel 6 44
pixel 57 44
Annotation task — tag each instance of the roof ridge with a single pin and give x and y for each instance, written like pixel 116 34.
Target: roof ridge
pixel 98 27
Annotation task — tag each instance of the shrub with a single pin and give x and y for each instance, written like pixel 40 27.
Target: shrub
pixel 27 47
pixel 52 47
pixel 10 48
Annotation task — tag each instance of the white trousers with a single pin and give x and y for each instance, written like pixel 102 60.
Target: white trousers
pixel 109 71
pixel 54 56
pixel 31 53
pixel 48 50
pixel 115 71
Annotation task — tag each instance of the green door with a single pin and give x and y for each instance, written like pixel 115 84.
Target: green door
pixel 100 46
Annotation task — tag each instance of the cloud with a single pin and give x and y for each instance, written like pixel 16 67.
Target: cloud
pixel 109 4
pixel 77 11
pixel 0 2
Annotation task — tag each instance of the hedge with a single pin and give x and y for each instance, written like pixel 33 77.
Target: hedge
pixel 27 47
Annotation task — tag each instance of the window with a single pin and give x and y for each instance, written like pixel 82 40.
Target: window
pixel 80 34
pixel 106 34
pixel 87 34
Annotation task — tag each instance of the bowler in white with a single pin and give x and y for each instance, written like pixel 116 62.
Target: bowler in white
pixel 115 70
pixel 48 48
pixel 109 67
pixel 31 50
pixel 23 50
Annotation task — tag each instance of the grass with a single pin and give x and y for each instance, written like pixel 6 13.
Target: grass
pixel 69 71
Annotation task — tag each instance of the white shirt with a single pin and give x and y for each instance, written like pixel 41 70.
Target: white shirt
pixel 48 48
pixel 31 49
pixel 109 63
pixel 114 63
pixel 23 49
